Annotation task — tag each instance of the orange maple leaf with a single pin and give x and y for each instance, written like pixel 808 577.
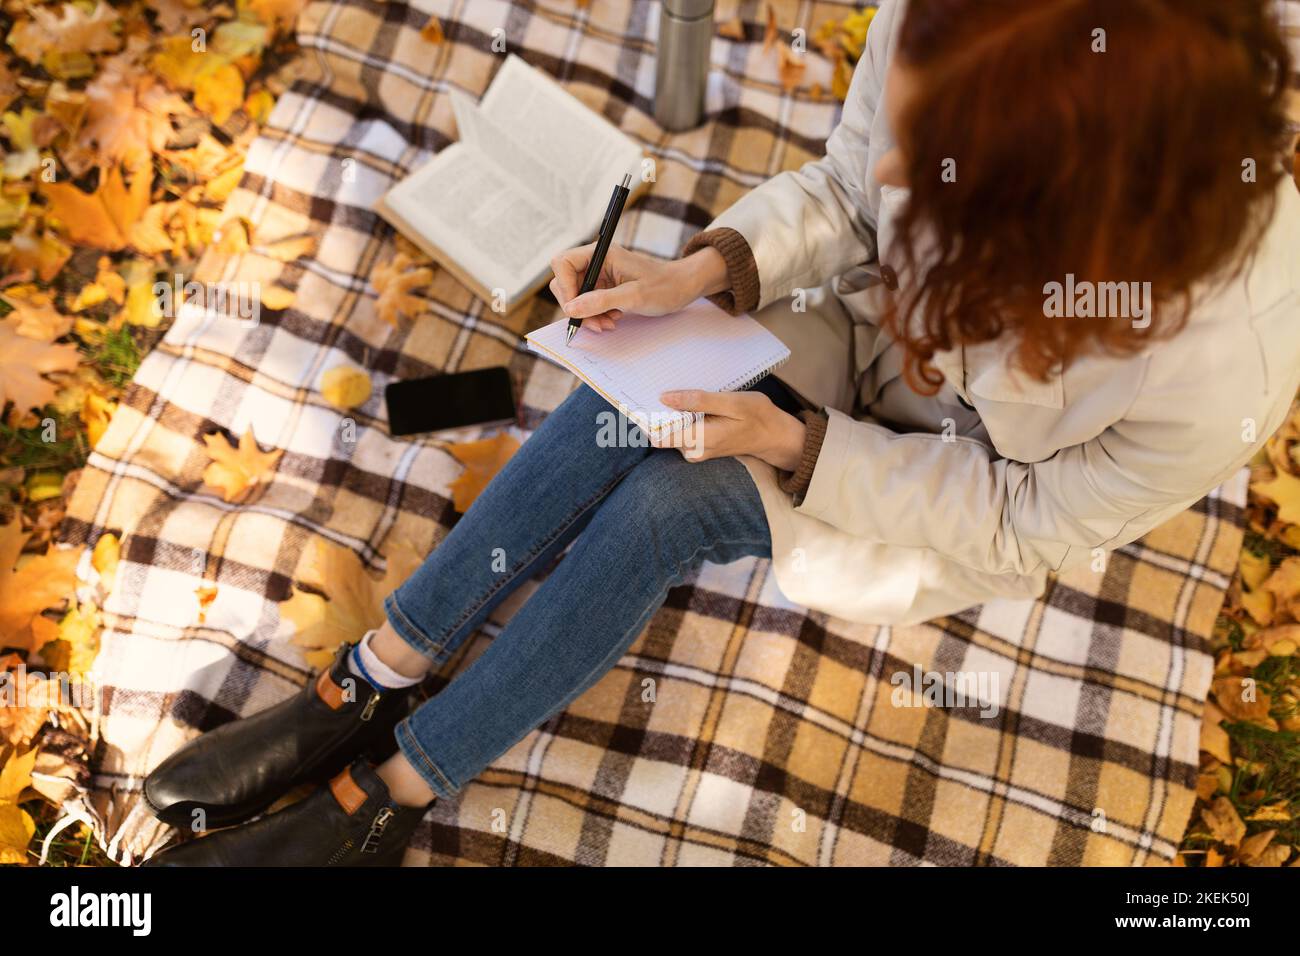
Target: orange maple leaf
pixel 482 460
pixel 38 583
pixel 235 470
pixel 23 361
pixel 106 218
pixel 394 281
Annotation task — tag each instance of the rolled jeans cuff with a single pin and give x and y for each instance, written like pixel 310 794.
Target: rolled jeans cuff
pixel 420 642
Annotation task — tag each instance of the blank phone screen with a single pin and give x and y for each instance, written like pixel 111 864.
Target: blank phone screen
pixel 483 396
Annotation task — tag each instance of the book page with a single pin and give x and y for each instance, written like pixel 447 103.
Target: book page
pixel 500 146
pixel 494 228
pixel 698 347
pixel 558 131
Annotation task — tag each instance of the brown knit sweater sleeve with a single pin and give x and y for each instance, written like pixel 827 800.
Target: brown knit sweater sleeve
pixel 742 270
pixel 797 481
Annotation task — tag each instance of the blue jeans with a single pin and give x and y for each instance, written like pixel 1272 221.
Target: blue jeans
pixel 639 519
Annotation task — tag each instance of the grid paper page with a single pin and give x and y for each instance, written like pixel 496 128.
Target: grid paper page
pixel 698 347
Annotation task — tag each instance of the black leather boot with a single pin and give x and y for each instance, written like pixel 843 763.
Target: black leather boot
pixel 239 769
pixel 351 822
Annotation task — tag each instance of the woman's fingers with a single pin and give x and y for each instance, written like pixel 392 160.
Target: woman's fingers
pixel 570 266
pixel 728 404
pixel 602 302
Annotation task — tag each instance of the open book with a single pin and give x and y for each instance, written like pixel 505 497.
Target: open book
pixel 698 347
pixel 531 176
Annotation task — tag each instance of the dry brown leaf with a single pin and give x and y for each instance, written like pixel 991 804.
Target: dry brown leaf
pixel 29 586
pixel 236 470
pixel 482 460
pixel 178 16
pixel 394 281
pixel 19 724
pixel 790 69
pixel 1253 845
pixel 1214 739
pixel 23 364
pixel 127 114
pixel 1242 700
pixel 65 29
pixel 206 595
pixel 1224 822
pixel 353 600
pixel 1284 584
pixel 288 248
pixel 432 31
pixel 34 315
pixel 1280 641
pixel 1275 855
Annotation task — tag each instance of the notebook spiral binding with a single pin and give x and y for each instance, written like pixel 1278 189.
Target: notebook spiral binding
pixel 754 378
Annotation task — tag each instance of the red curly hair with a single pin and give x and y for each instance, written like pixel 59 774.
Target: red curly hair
pixel 1119 166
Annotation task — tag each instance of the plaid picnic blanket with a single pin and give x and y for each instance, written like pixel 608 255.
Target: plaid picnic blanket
pixel 772 735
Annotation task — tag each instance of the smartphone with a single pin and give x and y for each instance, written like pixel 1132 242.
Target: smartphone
pixel 484 396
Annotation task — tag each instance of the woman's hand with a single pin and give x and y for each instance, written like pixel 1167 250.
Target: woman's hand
pixel 735 423
pixel 631 282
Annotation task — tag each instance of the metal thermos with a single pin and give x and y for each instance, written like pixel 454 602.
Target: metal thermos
pixel 682 69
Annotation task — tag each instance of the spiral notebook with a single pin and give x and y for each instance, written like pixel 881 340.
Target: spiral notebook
pixel 698 347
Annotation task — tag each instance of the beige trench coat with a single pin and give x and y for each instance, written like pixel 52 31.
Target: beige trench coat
pixel 902 523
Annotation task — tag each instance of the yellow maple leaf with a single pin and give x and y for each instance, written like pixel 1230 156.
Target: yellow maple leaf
pixel 77 646
pixel 96 411
pixel 16 826
pixel 1284 491
pixel 394 281
pixel 30 586
pixel 482 460
pixel 352 601
pixel 104 559
pixel 236 470
pixel 219 91
pixel 23 363
pixel 105 218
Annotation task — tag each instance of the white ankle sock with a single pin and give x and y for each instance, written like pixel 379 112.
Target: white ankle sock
pixel 365 663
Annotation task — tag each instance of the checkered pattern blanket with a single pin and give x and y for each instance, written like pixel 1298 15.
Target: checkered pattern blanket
pixel 739 729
